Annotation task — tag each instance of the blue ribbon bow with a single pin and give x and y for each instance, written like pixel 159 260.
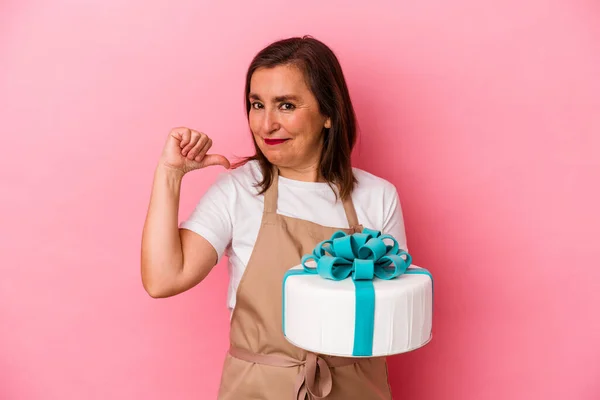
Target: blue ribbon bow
pixel 363 256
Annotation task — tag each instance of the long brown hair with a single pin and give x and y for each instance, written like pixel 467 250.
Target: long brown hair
pixel 325 79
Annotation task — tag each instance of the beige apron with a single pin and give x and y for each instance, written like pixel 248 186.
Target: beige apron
pixel 261 363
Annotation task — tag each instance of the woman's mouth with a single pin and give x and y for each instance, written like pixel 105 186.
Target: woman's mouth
pixel 273 142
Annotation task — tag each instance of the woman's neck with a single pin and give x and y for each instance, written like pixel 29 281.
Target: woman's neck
pixel 305 174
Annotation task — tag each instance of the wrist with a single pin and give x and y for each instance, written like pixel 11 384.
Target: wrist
pixel 171 174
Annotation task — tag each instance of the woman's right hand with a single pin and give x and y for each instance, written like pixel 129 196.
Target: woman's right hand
pixel 186 150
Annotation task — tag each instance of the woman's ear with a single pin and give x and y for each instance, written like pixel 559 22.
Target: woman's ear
pixel 328 123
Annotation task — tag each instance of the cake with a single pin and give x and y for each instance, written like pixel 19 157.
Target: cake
pixel 358 295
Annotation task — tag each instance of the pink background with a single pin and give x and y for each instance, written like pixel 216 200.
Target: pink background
pixel 484 114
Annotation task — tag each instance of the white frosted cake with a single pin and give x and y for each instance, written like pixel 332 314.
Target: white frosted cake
pixel 357 317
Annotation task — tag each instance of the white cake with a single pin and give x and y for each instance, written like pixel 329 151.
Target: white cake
pixel 319 314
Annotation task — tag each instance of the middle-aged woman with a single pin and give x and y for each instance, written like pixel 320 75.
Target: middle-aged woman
pixel 265 214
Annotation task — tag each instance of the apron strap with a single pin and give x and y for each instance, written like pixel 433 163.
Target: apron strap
pixel 272 192
pixel 314 379
pixel 351 214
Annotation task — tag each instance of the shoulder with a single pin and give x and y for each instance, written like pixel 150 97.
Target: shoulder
pixel 247 171
pixel 242 178
pixel 370 183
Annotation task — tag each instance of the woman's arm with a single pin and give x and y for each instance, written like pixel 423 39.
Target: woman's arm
pixel 173 260
pixel 393 223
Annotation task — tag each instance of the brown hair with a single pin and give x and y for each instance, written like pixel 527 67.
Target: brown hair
pixel 325 79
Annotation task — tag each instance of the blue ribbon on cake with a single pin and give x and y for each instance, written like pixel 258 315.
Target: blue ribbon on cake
pixel 362 256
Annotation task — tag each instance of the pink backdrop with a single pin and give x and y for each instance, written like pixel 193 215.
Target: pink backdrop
pixel 484 114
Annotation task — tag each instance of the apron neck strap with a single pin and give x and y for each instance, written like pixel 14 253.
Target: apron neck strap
pixel 272 192
pixel 351 214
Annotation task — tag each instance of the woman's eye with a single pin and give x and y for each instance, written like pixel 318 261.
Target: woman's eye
pixel 256 105
pixel 287 106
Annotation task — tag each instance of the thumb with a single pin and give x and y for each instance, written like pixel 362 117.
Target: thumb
pixel 215 159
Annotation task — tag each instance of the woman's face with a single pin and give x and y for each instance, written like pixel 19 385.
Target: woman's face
pixel 284 117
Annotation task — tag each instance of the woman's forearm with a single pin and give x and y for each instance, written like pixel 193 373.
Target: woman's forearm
pixel 162 256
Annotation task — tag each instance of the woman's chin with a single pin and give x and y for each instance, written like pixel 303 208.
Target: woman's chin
pixel 275 159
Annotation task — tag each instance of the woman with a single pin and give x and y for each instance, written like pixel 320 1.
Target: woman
pixel 268 211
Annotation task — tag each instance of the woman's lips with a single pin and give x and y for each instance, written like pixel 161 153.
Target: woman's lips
pixel 272 142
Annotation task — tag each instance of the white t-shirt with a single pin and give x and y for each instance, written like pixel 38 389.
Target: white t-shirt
pixel 229 214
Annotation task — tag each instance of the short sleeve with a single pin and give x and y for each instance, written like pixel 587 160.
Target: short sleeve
pixel 393 223
pixel 211 218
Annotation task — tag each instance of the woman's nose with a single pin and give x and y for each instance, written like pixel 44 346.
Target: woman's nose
pixel 270 122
